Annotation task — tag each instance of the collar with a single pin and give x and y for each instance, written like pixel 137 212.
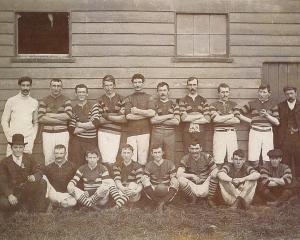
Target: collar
pixel 111 96
pixel 263 101
pixel 193 96
pixel 127 164
pixel 60 165
pixel 291 104
pixel 23 96
pixel 164 101
pixel 82 105
pixel 91 167
pixel 18 161
pixel 55 97
pixel 223 102
pixel 159 163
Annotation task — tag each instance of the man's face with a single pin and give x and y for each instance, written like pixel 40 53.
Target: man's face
pixel 224 94
pixel 195 151
pixel 263 94
pixel 192 86
pixel 17 149
pixel 138 84
pixel 25 88
pixel 109 87
pixel 290 95
pixel 92 159
pixel 126 154
pixel 82 94
pixel 59 155
pixel 275 161
pixel 163 92
pixel 55 88
pixel 157 154
pixel 238 162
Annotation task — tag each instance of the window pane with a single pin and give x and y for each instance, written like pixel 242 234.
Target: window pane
pixel 218 44
pixel 217 24
pixel 185 45
pixel 201 24
pixel 201 43
pixel 43 33
pixel 185 24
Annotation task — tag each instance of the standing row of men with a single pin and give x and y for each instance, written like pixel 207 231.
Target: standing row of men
pixel 102 124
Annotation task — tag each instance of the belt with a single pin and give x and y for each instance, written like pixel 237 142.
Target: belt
pixel 269 129
pixel 225 129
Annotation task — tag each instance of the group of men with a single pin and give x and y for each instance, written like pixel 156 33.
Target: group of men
pixel 81 146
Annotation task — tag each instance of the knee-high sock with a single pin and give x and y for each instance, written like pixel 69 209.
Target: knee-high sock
pixel 170 195
pixel 187 190
pixel 213 184
pixel 118 198
pixel 84 201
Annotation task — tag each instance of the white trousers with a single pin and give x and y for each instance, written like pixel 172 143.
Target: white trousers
pixel 132 198
pixel 108 144
pixel 140 144
pixel 224 143
pixel 28 147
pixel 259 142
pixel 230 192
pixel 102 191
pixel 62 199
pixel 52 139
pixel 198 190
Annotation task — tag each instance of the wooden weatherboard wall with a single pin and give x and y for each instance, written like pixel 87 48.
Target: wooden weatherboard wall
pixel 125 37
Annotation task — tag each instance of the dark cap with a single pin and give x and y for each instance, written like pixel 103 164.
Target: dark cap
pixel 17 139
pixel 275 153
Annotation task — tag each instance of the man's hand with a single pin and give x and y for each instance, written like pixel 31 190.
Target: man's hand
pixel 134 110
pixel 31 178
pixel 12 199
pixel 196 179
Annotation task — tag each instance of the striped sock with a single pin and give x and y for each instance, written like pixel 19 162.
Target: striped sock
pixel 84 201
pixel 118 198
pixel 213 184
pixel 187 190
pixel 94 198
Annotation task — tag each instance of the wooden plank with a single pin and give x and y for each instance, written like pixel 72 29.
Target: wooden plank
pixel 79 5
pixel 265 73
pixel 265 17
pixel 264 51
pixel 7 51
pixel 127 73
pixel 6 39
pixel 174 93
pixel 282 75
pixel 264 40
pixel 203 6
pixel 122 39
pixel 123 16
pixel 6 28
pixel 7 16
pixel 122 51
pixel 155 28
pixel 266 29
pixel 293 75
pixel 273 79
pixel 126 83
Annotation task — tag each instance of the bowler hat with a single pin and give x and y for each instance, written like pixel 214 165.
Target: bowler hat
pixel 275 153
pixel 17 139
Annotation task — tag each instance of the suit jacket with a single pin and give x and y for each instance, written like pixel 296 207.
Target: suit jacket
pixel 13 176
pixel 283 109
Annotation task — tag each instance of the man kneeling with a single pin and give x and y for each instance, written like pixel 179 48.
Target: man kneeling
pixel 160 182
pixel 97 184
pixel 58 174
pixel 127 175
pixel 238 181
pixel 197 174
pixel 275 179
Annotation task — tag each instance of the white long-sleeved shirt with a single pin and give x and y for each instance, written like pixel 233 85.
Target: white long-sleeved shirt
pixel 20 116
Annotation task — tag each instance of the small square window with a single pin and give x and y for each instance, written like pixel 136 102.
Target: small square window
pixel 42 35
pixel 202 37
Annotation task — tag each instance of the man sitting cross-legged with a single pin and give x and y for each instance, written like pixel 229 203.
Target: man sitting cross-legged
pixel 160 182
pixel 275 179
pixel 197 174
pixel 97 183
pixel 58 174
pixel 127 175
pixel 238 181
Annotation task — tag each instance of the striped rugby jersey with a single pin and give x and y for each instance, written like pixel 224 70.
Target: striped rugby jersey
pixel 160 173
pixel 165 108
pixel 282 171
pixel 92 178
pixel 108 105
pixel 201 167
pixel 229 169
pixel 126 174
pixel 50 104
pixel 188 105
pixel 253 108
pixel 82 114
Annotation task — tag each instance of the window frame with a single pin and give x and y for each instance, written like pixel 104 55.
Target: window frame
pixel 209 58
pixel 43 58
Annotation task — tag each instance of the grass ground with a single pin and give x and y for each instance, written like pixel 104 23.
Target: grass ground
pixel 180 221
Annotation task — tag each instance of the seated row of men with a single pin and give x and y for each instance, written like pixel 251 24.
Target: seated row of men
pixel 23 182
pixel 148 121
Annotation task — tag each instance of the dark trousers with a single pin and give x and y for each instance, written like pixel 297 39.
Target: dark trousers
pixel 188 138
pixel 291 153
pixel 153 195
pixel 78 147
pixel 31 196
pixel 278 193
